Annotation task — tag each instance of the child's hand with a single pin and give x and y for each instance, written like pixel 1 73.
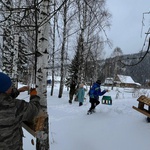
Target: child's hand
pixel 107 90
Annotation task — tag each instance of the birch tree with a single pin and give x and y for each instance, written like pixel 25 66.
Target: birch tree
pixel 16 47
pixel 53 49
pixel 7 46
pixel 93 19
pixel 14 18
pixel 41 74
pixel 63 47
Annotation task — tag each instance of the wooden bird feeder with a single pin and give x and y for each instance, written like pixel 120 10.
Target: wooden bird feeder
pixel 36 125
pixel 143 105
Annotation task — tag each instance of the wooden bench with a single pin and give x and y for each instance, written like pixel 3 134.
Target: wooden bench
pixel 143 103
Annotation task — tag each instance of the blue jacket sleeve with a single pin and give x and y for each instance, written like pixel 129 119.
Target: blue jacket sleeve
pixel 100 93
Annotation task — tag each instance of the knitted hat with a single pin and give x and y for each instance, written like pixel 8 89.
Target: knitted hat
pixel 98 82
pixel 81 85
pixel 5 82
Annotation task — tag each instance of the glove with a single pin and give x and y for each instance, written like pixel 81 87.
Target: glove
pixel 107 90
pixel 33 91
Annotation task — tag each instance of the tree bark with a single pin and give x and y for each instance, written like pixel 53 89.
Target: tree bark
pixel 63 51
pixel 41 74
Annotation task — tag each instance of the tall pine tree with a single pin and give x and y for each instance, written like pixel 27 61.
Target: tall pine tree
pixel 75 69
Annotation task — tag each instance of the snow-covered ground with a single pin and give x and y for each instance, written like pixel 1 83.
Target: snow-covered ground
pixel 112 127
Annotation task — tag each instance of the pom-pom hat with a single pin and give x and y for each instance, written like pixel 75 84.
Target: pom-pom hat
pixel 5 82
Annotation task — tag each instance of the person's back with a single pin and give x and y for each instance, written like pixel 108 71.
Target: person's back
pixel 10 124
pixel 12 113
pixel 93 93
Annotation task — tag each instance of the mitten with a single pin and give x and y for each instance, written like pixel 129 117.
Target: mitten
pixel 33 91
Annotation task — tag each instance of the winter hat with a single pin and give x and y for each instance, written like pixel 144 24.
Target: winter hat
pixel 5 82
pixel 98 82
pixel 81 85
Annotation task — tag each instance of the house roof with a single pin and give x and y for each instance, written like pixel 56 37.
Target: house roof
pixel 108 80
pixel 125 79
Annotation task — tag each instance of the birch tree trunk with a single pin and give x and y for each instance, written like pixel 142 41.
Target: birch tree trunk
pixel 7 40
pixel 53 52
pixel 15 51
pixel 15 60
pixel 41 74
pixel 63 51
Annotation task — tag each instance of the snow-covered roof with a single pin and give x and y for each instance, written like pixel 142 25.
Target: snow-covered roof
pixel 108 80
pixel 125 79
pixel 138 84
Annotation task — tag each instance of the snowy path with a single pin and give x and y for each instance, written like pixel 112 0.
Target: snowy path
pixel 116 127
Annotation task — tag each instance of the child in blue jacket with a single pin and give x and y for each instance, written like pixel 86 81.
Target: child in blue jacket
pixel 94 94
pixel 80 94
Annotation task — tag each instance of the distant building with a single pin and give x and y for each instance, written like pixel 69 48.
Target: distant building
pixel 122 81
pixel 108 81
pixel 126 81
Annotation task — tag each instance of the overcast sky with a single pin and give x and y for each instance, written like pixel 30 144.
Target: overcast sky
pixel 126 24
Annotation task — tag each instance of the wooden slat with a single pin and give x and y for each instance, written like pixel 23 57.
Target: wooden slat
pixel 26 127
pixel 143 111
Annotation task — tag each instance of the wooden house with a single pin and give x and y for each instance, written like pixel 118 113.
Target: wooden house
pixel 122 81
pixel 126 81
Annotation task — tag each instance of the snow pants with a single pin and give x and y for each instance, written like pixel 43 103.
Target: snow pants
pixel 94 103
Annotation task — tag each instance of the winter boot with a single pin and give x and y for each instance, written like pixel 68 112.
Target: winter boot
pixel 97 103
pixel 93 110
pixel 70 101
pixel 89 112
pixel 80 104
